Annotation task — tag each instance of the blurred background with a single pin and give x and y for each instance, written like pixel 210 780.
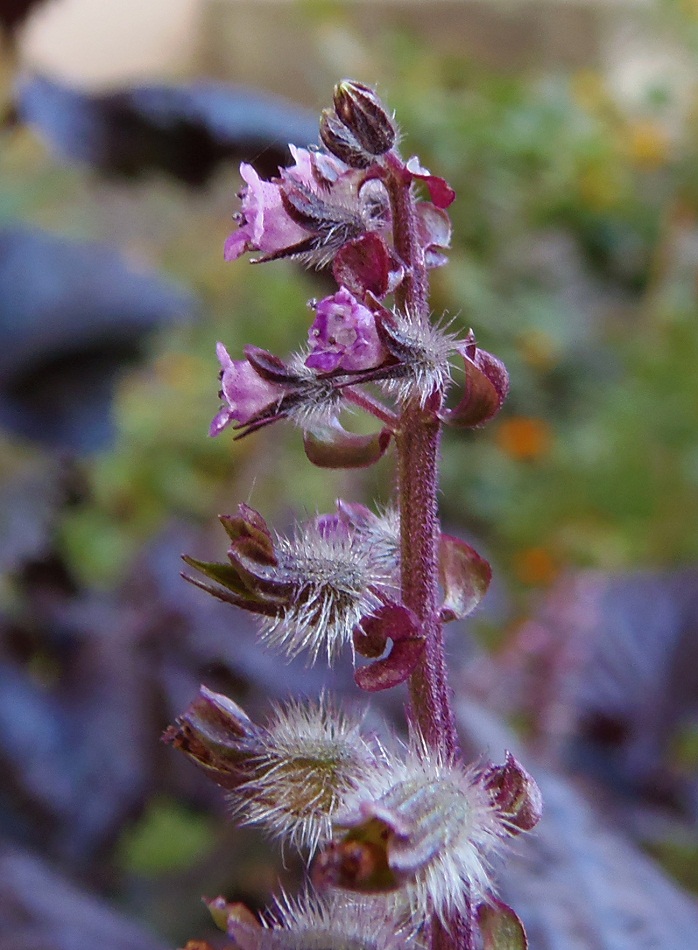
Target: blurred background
pixel 569 129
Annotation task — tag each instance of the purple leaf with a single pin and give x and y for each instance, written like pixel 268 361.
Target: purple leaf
pixel 334 447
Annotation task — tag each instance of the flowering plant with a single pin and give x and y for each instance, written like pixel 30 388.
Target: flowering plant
pixel 399 840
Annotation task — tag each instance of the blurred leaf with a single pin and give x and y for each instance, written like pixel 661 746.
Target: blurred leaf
pixel 183 130
pixel 43 912
pixel 167 836
pixel 71 314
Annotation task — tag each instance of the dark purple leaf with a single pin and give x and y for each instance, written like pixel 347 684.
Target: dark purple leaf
pixel 576 881
pixel 609 670
pixel 184 130
pixel 334 447
pixel 71 314
pixel 40 911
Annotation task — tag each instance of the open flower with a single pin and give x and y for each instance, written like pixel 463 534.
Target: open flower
pixel 244 392
pixel 262 389
pixel 310 210
pixel 344 335
pixel 264 224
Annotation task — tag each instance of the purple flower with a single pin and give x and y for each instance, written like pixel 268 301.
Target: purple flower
pixel 264 224
pixel 311 210
pixel 344 336
pixel 244 392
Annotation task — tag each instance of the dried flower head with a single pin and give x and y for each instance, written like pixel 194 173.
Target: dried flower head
pixel 337 579
pixel 311 923
pixel 424 829
pixel 311 757
pixel 423 351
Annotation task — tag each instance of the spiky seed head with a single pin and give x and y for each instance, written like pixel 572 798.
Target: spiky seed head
pixel 312 756
pixel 318 400
pixel 337 580
pixel 423 349
pixel 424 829
pixel 313 923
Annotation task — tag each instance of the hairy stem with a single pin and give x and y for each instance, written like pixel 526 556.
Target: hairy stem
pixel 418 438
pixel 418 447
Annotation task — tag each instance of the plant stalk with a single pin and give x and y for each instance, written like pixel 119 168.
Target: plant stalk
pixel 417 440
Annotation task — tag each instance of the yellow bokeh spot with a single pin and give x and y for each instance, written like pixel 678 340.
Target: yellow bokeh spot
pixel 524 438
pixel 589 90
pixel 538 350
pixel 598 187
pixel 647 144
pixel 179 370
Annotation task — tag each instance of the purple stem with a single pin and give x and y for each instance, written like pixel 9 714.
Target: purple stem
pixel 418 438
pixel 371 405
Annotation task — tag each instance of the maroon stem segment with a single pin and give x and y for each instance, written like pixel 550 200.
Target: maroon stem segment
pixel 418 438
pixel 418 447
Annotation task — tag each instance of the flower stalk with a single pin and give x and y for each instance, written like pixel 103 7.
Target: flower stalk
pixel 402 843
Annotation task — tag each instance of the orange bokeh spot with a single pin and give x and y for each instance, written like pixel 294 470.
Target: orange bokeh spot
pixel 536 566
pixel 524 438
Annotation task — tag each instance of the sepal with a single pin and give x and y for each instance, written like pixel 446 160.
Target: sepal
pixel 218 736
pixel 334 447
pixel 485 389
pixel 464 576
pixel 500 927
pixel 515 794
pixel 390 622
pixel 362 112
pixel 338 140
pixel 224 913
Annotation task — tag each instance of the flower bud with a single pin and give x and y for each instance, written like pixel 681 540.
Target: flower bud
pixel 338 140
pixel 515 794
pixel 361 111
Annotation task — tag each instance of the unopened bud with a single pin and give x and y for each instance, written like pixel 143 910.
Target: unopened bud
pixel 362 112
pixel 338 140
pixel 515 794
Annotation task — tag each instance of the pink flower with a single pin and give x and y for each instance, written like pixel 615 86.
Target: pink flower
pixel 244 392
pixel 344 336
pixel 265 225
pixel 310 211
